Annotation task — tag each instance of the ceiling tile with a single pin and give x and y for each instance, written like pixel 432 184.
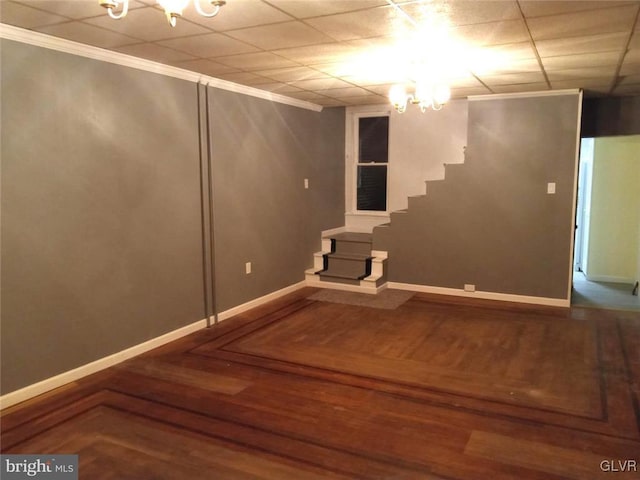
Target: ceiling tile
pixel 27 17
pixel 635 39
pixel 537 8
pixel 238 14
pixel 373 22
pixel 321 84
pixel 629 79
pixel 515 66
pixel 492 33
pixel 329 102
pixel 522 87
pixel 256 61
pixel 305 95
pixel 583 60
pixel 513 78
pixel 149 24
pixel 208 46
pixel 627 89
pixel 588 44
pixel 324 53
pixel 281 35
pixel 75 9
pixel 511 51
pixel 366 100
pixel 207 67
pixel 577 73
pixel 306 9
pixel 592 83
pixel 154 52
pixel 346 92
pixel 292 74
pixel 81 32
pixel 277 87
pixel 631 62
pixel 590 22
pixel 463 12
pixel 244 78
pixel 465 92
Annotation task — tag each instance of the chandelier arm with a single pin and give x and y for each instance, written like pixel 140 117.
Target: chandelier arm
pixel 111 5
pixel 216 3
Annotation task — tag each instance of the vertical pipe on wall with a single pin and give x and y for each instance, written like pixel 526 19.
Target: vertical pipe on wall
pixel 212 243
pixel 203 214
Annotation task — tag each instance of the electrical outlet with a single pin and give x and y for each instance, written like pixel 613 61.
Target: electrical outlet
pixel 247 268
pixel 551 188
pixel 468 287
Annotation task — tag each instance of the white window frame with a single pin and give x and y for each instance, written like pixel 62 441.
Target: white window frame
pixel 354 114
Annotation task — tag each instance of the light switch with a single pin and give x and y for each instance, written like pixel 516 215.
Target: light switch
pixel 306 183
pixel 551 188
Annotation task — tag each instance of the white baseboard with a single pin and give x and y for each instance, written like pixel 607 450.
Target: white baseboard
pixel 30 391
pixel 505 297
pixel 313 280
pixel 260 301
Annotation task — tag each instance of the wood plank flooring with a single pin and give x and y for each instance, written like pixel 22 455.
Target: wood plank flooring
pixel 438 388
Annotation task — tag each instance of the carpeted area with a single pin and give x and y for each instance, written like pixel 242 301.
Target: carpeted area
pixel 603 294
pixel 387 299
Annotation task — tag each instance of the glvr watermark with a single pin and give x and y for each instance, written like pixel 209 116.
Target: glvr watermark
pixel 49 467
pixel 619 466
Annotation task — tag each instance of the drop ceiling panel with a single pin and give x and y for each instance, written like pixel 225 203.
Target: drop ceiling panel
pixel 347 50
pixel 89 34
pixel 146 24
pixel 306 9
pixel 466 12
pixel 256 61
pixel 586 44
pixel 362 24
pixel 281 35
pixel 209 46
pixel 75 9
pixel 155 52
pixel 243 14
pixel 589 22
pixel 537 8
pixel 292 74
pixel 492 33
pixel 207 67
pixel 583 60
pixel 27 17
pixel 321 84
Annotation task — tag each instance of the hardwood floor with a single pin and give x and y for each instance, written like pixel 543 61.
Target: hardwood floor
pixel 302 389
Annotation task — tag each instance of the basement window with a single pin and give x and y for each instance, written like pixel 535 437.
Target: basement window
pixel 372 165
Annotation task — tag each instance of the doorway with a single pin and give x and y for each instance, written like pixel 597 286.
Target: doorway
pixel 607 240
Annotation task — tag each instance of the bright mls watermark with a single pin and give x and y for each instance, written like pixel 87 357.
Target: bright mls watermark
pixel 49 467
pixel 613 466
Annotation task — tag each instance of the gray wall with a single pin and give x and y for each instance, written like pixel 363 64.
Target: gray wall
pixel 102 236
pixel 608 116
pixel 490 222
pixel 263 214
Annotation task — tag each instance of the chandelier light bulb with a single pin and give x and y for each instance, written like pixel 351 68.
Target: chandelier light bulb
pixel 398 98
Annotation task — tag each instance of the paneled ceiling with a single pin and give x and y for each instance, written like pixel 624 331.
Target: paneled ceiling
pixel 349 52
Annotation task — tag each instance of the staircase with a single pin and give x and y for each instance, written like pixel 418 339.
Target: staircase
pixel 347 262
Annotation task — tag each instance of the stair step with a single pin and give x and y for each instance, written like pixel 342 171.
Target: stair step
pixel 329 276
pixel 352 243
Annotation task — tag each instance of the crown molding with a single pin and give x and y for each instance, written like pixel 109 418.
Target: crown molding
pixel 545 93
pixel 30 37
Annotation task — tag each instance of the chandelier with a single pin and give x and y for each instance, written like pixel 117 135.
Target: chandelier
pixel 426 95
pixel 172 8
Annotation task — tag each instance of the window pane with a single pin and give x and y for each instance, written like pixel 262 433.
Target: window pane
pixel 373 134
pixel 372 188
